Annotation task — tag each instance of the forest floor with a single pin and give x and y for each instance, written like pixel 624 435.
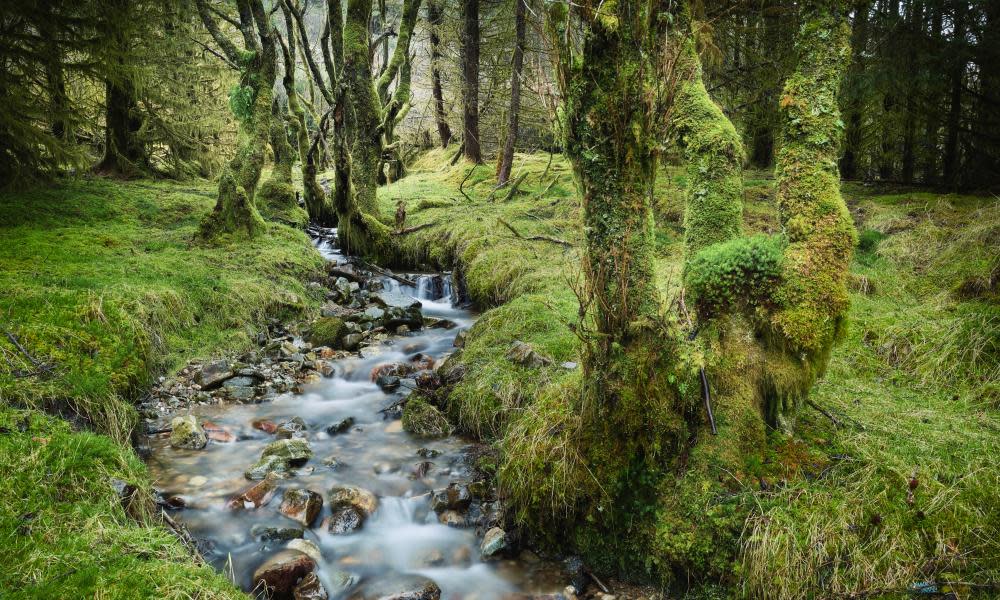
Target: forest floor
pixel 102 283
pixel 911 399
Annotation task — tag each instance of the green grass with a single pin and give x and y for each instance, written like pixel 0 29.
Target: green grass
pixel 915 385
pixel 105 282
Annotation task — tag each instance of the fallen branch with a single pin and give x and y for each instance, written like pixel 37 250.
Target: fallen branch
pixel 836 422
pixel 599 583
pixel 40 367
pixel 462 185
pixel 389 274
pixel 407 230
pixel 182 533
pixel 535 238
pixel 513 188
pixel 348 275
pixel 544 191
pixel 708 401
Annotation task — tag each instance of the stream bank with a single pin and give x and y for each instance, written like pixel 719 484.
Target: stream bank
pixel 295 467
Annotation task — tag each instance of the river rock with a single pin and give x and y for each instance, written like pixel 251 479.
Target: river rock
pixel 494 541
pixel 301 505
pixel 523 354
pixel 460 338
pixel 374 313
pixel 351 341
pixel 282 572
pixel 387 383
pixel 345 520
pixel 218 433
pixel 310 588
pixel 213 374
pixel 392 369
pixel 398 587
pixel 349 507
pixel 341 427
pixel 292 428
pixel 265 425
pixel 306 547
pixel 454 497
pixel 395 299
pixel 327 331
pixel 187 433
pixel 444 324
pixel 256 495
pixel 267 533
pixel 295 451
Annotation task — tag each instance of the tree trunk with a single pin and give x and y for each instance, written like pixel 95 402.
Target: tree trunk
pixel 855 90
pixel 931 147
pixel 957 74
pixel 434 20
pixel 364 122
pixel 515 93
pixel 470 85
pixel 124 153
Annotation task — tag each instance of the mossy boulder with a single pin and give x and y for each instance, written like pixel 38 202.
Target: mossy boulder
pixel 279 457
pixel 187 433
pixel 424 420
pixel 328 331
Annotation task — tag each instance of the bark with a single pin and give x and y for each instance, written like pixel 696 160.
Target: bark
pixel 124 152
pixel 364 121
pixel 394 107
pixel 854 104
pixel 515 93
pixel 957 78
pixel 470 84
pixel 440 117
pixel 931 149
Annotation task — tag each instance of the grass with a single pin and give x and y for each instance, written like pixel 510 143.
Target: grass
pixel 915 386
pixel 103 281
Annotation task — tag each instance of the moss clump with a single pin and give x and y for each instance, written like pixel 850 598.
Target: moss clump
pixel 737 273
pixel 277 202
pixel 327 331
pixel 423 419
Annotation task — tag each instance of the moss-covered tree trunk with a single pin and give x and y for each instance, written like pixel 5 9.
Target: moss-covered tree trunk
pixel 124 152
pixel 365 119
pixel 394 106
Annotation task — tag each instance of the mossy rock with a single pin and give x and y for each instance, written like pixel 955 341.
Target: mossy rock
pixel 424 420
pixel 327 331
pixel 187 433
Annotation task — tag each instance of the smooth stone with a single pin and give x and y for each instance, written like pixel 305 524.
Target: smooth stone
pixel 281 572
pixel 213 374
pixel 398 587
pixel 301 505
pixel 494 541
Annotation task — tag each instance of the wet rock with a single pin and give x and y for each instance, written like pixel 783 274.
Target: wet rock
pixel 306 547
pixel 444 324
pixel 432 558
pixel 392 370
pixel 403 330
pixel 343 289
pixel 301 505
pixel 325 368
pixel 327 331
pixel 395 299
pixel 265 533
pixel 575 571
pixel 424 420
pixel 295 451
pixel 494 541
pixel 310 588
pixel 428 453
pixel 398 587
pixel 187 433
pixel 374 313
pixel 460 338
pixel 218 433
pixel 523 354
pixel 256 495
pixel 453 518
pixel 387 383
pixel 240 388
pixel 170 501
pixel 267 466
pixel 265 425
pixel 292 428
pixel 454 497
pixel 213 374
pixel 345 520
pixel 422 361
pixel 428 381
pixel 341 427
pixel 351 341
pixel 282 572
pixel 333 463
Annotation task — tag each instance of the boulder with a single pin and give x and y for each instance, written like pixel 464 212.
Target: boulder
pixel 295 451
pixel 280 573
pixel 187 433
pixel 301 505
pixel 387 383
pixel 392 369
pixel 523 354
pixel 395 299
pixel 307 547
pixel 494 541
pixel 351 341
pixel 398 587
pixel 453 497
pixel 327 331
pixel 349 507
pixel 422 419
pixel 345 520
pixel 213 374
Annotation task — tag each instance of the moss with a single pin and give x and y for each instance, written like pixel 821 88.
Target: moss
pixel 734 274
pixel 423 419
pixel 121 296
pixel 327 331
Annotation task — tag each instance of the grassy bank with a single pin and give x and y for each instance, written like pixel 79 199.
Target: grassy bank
pixel 911 393
pixel 102 283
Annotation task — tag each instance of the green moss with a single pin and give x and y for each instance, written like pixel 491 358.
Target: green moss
pixel 737 273
pixel 327 331
pixel 423 419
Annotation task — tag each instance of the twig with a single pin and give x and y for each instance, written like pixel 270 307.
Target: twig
pixel 825 413
pixel 513 188
pixel 599 583
pixel 182 533
pixel 535 238
pixel 389 274
pixel 467 175
pixel 545 191
pixel 708 400
pixel 414 228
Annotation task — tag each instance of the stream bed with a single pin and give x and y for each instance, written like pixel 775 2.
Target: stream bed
pixel 407 540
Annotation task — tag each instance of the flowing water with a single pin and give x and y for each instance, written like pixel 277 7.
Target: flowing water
pixel 404 535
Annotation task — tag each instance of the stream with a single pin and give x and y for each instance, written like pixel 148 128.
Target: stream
pixel 404 542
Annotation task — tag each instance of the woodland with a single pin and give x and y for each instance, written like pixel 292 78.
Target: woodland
pixel 702 299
